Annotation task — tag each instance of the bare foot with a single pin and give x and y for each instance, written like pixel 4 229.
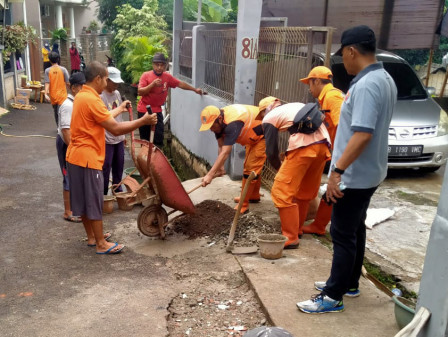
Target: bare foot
pixel 92 243
pixel 111 248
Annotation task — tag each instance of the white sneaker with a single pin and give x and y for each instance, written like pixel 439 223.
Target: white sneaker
pixel 320 304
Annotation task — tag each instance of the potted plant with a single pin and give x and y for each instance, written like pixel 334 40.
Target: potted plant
pixel 59 35
pixel 16 38
pixel 93 26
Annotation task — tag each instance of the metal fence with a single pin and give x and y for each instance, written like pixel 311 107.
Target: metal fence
pixel 219 60
pixel 286 54
pixel 185 55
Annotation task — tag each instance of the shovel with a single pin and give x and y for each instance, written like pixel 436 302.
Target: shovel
pixel 229 247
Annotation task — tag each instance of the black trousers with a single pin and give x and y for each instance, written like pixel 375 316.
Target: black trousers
pixel 56 114
pixel 348 232
pixel 145 130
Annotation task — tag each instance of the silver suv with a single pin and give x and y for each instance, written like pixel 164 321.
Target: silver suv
pixel 418 133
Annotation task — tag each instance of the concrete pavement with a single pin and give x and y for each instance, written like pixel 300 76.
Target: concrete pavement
pixel 279 284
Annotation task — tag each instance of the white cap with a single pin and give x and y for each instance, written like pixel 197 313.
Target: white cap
pixel 114 75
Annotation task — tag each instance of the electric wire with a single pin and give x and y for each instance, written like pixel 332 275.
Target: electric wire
pixel 26 136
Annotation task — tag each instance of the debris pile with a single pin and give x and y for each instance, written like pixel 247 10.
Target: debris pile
pixel 213 220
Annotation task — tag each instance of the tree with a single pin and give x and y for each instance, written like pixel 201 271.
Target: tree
pixel 212 11
pixel 131 25
pixel 131 21
pixel 107 10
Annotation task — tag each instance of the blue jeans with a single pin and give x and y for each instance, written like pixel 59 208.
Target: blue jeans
pixel 348 232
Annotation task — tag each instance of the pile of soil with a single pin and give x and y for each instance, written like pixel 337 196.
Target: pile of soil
pixel 213 220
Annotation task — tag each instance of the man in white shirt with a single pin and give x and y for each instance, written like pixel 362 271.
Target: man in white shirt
pixel 63 139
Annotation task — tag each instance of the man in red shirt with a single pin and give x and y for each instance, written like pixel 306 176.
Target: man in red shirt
pixel 153 89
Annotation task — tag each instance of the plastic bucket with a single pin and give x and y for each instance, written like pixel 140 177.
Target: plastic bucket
pixel 271 245
pixel 122 198
pixel 136 175
pixel 404 312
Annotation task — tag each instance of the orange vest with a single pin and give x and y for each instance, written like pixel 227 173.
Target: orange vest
pixel 58 88
pixel 330 101
pixel 247 115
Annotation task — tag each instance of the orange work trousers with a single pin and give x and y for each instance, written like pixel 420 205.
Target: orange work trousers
pixel 255 158
pixel 297 182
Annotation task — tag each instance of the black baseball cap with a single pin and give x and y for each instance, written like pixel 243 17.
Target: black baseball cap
pixel 354 35
pixel 77 78
pixel 159 58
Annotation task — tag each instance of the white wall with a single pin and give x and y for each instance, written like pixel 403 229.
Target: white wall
pixel 186 108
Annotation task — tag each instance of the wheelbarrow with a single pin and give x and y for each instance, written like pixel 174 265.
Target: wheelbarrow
pixel 160 185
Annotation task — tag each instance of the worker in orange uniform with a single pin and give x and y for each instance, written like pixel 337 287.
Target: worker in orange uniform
pixel 298 178
pixel 330 101
pixel 236 124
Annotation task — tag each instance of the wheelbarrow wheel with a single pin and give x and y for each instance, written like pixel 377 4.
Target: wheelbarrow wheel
pixel 152 221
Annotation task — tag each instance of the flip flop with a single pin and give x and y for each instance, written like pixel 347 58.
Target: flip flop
pixel 107 236
pixel 72 218
pixel 109 251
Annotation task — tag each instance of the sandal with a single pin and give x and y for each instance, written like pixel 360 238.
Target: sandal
pixel 72 218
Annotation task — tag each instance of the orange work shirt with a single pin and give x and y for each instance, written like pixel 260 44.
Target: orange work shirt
pixel 282 118
pixel 247 115
pixel 330 101
pixel 57 78
pixel 87 146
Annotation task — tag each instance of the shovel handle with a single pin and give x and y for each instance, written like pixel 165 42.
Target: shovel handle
pixel 194 188
pixel 237 214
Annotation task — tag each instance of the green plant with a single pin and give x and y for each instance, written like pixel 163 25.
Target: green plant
pixel 138 54
pixel 15 38
pixel 135 23
pixel 59 34
pixel 93 25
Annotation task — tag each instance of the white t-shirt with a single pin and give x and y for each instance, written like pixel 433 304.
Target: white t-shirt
pixel 112 100
pixel 65 115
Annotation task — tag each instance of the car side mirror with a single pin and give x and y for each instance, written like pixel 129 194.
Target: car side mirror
pixel 431 91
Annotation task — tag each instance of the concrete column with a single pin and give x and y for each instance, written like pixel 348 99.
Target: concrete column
pixel 14 69
pixel 27 49
pixel 198 55
pixel 177 27
pixel 2 79
pixel 71 13
pixel 59 23
pixel 433 291
pixel 248 28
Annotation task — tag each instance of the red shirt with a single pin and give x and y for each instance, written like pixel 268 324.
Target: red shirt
pixel 157 96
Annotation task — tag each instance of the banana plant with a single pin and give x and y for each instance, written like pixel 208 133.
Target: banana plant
pixel 138 54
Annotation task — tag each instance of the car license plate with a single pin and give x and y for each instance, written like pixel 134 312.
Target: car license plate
pixel 405 150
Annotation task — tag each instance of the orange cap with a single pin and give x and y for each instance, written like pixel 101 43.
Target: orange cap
pixel 264 103
pixel 208 116
pixel 318 72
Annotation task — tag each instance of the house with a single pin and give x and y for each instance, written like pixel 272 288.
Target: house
pixel 44 16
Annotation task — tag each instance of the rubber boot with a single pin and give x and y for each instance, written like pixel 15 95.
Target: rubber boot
pixel 303 206
pixel 237 199
pixel 323 217
pixel 289 218
pixel 250 190
pixel 255 197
